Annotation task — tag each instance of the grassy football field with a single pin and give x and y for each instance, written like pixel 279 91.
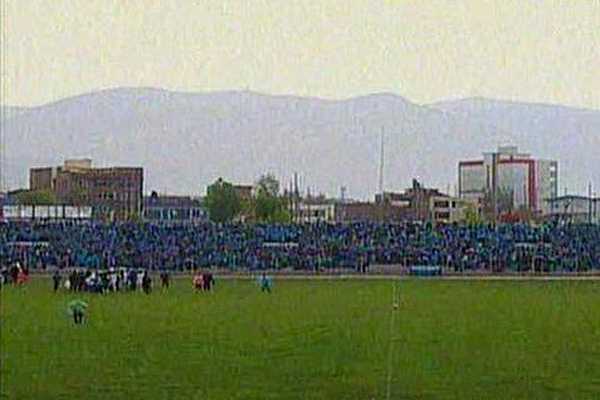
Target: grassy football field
pixel 307 340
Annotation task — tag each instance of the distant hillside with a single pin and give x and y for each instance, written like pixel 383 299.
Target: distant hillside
pixel 186 140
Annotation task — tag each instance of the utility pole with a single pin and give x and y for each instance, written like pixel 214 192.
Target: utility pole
pixel 2 144
pixel 381 160
pixel 590 202
pixel 295 197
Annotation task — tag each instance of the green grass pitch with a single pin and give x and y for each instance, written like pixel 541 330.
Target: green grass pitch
pixel 307 340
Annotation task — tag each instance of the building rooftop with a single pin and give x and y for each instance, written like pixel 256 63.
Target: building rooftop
pixel 154 200
pixel 572 197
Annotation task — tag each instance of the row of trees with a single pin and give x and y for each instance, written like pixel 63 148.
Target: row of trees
pixel 267 205
pixel 35 197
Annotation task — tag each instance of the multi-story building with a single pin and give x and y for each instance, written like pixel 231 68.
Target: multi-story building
pixel 415 201
pixel 509 180
pixel 113 193
pixel 447 209
pixel 174 210
pixel 45 178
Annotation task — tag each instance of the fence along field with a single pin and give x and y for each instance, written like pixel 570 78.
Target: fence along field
pixel 306 340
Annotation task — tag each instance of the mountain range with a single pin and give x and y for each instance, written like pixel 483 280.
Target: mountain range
pixel 185 141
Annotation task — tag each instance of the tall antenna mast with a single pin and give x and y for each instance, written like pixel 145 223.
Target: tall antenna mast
pixel 2 143
pixel 381 162
pixel 590 194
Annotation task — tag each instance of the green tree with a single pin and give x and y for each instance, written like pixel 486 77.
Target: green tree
pixel 222 201
pixel 268 185
pixel 36 198
pixel 271 209
pixel 472 217
pixel 269 205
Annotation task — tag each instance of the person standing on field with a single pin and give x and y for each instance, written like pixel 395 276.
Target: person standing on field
pixel 140 280
pixel 56 278
pixel 164 279
pixel 198 281
pixel 266 283
pixel 14 273
pixel 78 308
pixel 146 283
pixel 207 281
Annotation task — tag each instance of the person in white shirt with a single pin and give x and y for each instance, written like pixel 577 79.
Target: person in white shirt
pixel 140 279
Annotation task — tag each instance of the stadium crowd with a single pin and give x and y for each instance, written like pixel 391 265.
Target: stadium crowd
pixel 304 247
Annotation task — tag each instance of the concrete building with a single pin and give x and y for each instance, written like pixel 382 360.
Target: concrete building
pixel 313 212
pixel 45 178
pixel 370 212
pixel 414 202
pixel 509 180
pixel 448 210
pixel 244 192
pixel 574 209
pixel 174 210
pixel 113 193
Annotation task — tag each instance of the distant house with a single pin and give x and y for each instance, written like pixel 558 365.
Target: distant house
pixel 174 209
pixel 574 209
pixel 244 192
pixel 447 209
pixel 314 211
pixel 416 202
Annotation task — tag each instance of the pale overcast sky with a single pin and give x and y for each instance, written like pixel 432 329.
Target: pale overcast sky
pixel 543 51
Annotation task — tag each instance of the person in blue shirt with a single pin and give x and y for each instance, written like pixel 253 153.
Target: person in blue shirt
pixel 266 283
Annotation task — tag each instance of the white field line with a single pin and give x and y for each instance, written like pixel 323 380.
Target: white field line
pixel 407 277
pixel 394 310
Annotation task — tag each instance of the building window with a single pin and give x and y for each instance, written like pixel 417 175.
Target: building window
pixel 442 215
pixel 441 204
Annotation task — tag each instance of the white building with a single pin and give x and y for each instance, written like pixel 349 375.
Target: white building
pixel 512 179
pixel 57 212
pixel 446 209
pixel 314 212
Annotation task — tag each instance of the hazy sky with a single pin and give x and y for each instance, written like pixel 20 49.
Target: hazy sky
pixel 546 51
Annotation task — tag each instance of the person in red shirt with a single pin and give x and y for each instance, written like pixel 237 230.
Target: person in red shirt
pixel 22 277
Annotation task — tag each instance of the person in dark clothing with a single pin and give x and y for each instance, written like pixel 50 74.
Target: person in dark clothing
pixel 14 273
pixel 147 283
pixel 56 278
pixel 83 276
pixel 132 278
pixel 4 276
pixel 208 281
pixel 164 278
